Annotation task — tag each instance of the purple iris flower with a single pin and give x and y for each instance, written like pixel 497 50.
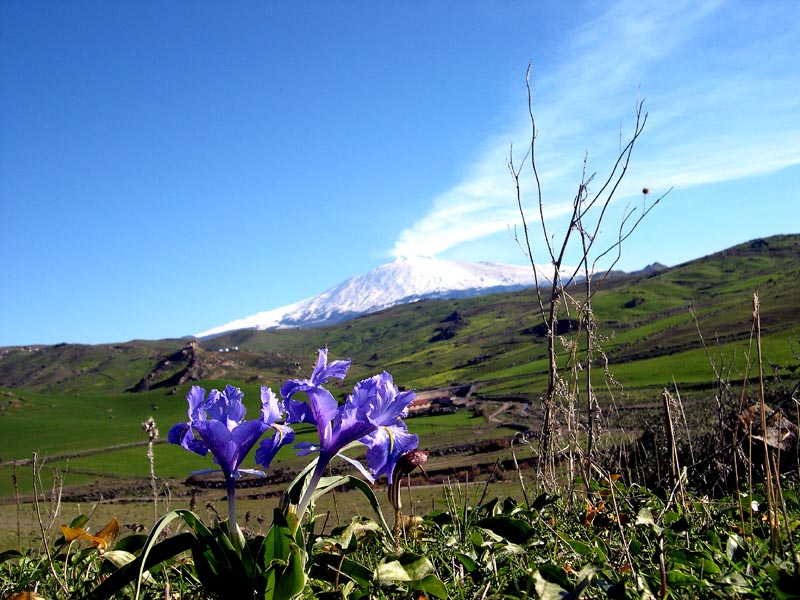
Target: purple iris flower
pixel 372 414
pixel 216 424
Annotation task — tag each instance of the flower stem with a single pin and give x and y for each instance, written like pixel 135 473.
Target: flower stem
pixel 312 485
pixel 233 529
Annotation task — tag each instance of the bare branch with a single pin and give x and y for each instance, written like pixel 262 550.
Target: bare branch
pixel 589 209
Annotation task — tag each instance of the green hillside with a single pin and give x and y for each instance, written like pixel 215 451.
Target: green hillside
pixel 495 340
pixel 498 341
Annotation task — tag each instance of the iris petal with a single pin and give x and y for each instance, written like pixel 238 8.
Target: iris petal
pixel 236 410
pixel 322 372
pixel 271 408
pixel 304 448
pixel 386 446
pixel 269 446
pixel 176 432
pixel 299 412
pixel 389 405
pixel 349 428
pixel 220 442
pixel 245 436
pixel 182 434
pixel 196 398
pixel 323 405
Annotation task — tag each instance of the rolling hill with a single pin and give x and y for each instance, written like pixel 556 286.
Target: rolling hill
pixel 496 340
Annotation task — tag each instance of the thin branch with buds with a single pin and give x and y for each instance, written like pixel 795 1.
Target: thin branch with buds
pixel 589 209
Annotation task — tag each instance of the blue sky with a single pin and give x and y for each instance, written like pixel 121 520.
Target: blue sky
pixel 168 167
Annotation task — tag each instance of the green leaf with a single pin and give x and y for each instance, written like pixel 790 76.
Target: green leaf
pixel 118 558
pixel 580 547
pixel 291 580
pixel 733 545
pixel 735 581
pixel 79 521
pixel 345 538
pixel 157 554
pixel 712 538
pixel 514 530
pixel 676 522
pixel 554 574
pixel 191 519
pixel 280 561
pixel 220 565
pixel 645 517
pixel 551 582
pixel 406 567
pixel 277 543
pixel 440 517
pixel 506 548
pixel 329 483
pixel 476 540
pixel 635 546
pixel 677 578
pixel 221 572
pixel 295 490
pixel 547 590
pixel 585 577
pixel 335 568
pixel 431 585
pixel 699 560
pixel 601 550
pixel 131 543
pixel 9 555
pixel 214 555
pixel 543 500
pixel 469 563
pixel 785 585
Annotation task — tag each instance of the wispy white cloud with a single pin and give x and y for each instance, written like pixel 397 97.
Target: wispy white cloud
pixel 722 107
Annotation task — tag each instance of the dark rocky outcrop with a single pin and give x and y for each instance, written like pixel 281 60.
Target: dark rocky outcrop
pixel 165 374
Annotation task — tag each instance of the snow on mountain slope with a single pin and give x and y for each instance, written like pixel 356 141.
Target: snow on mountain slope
pixel 404 280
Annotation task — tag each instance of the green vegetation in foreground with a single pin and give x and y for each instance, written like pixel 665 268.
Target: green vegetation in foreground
pixel 608 540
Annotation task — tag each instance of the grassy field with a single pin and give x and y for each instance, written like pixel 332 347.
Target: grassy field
pixel 115 483
pixel 92 435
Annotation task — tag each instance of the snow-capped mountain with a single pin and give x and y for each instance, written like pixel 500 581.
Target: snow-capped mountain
pixel 402 281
